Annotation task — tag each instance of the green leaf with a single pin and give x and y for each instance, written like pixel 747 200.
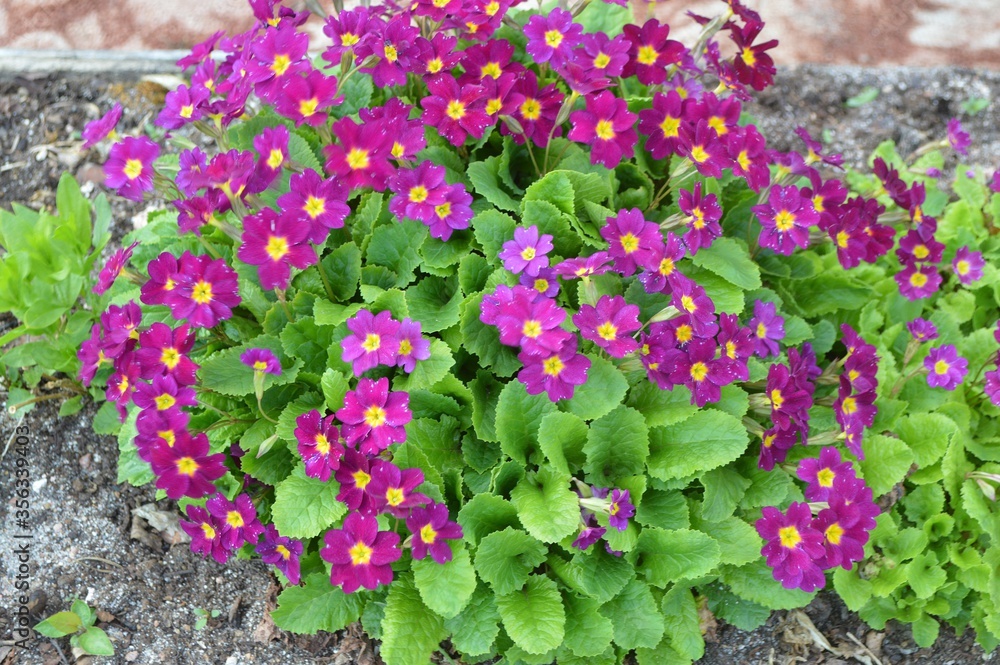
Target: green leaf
pixel 131 468
pixel 555 188
pixel 636 618
pixel 518 417
pixel 411 633
pixel 588 632
pixel 562 437
pixel 343 270
pixel 924 575
pixel 335 386
pixel 868 94
pixel 851 588
pixel 661 407
pixel 59 624
pixel 434 302
pixel 668 556
pixel 754 582
pixel 304 507
pixel 316 605
pixel 730 259
pixel 485 179
pixel 666 509
pixel 492 229
pixel 505 559
pixel 534 617
pixel 446 588
pixel 475 628
pixel 683 626
pixel 357 92
pixel 428 372
pixel 886 462
pixel 740 542
pixel 617 446
pixel 927 435
pixel 833 290
pixel 546 506
pixel 594 573
pixel 223 372
pixel 395 246
pixel 605 388
pixel 70 406
pixel 925 631
pixel 724 487
pixel 705 441
pixel 95 642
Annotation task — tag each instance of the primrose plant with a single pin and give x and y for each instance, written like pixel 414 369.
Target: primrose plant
pixel 504 327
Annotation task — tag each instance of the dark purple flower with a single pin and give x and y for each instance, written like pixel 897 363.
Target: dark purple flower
pixel 392 488
pixel 360 554
pixel 768 328
pixel 786 218
pixel 373 418
pixel 261 360
pixel 206 533
pixel 922 330
pixel 792 547
pixel 968 265
pixel 238 520
pixel 620 509
pixel 281 552
pixel 958 138
pixel 946 369
pixel 431 528
pixel 318 444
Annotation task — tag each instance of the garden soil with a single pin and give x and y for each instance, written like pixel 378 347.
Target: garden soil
pixel 120 550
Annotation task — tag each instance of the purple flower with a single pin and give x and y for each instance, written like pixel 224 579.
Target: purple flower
pixel 846 523
pixel 610 325
pixel 274 244
pixel 319 444
pixel 552 37
pixel 129 168
pixel 354 475
pixel 545 283
pixel 373 418
pixel 418 192
pixel 529 322
pixel 958 137
pixel 97 130
pixel 319 203
pixel 392 488
pixel 281 552
pixel 527 252
pixel 431 528
pixel 786 218
pixel 261 360
pixel 792 546
pixel 163 394
pixel 360 554
pixel 968 265
pixel 109 273
pixel 917 281
pixel 205 532
pixel 453 214
pixel 412 345
pixel 992 386
pixel 631 240
pixel 584 266
pixel 590 533
pixel 375 341
pixel 774 446
pixel 557 374
pixel 205 292
pixel 660 272
pixel 607 126
pixel 946 369
pixel 187 468
pixel 703 214
pixel 698 368
pixel 620 509
pixel 182 106
pixel 768 328
pixel 922 330
pixel 238 519
pixel 822 472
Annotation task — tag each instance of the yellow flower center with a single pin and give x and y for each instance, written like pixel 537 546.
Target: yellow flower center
pixel 164 401
pixel 648 55
pixel 281 64
pixel 398 149
pixel 784 221
pixel 427 534
pixel 170 357
pixel 234 519
pixel 405 348
pixel 531 329
pixel 670 126
pixel 918 279
pixel 687 302
pixel 349 39
pixel 531 109
pixel 789 536
pixel 541 285
pixel 602 60
pixel 276 248
pixel 825 477
pixel 443 210
pixel 553 38
pixel 418 194
pixel 684 333
pixel 731 350
pixel 666 267
pixel 372 342
pixel 494 105
pixel 391 54
pixel 207 529
pixel 941 367
pixel 761 330
pixel 259 365
pixel 275 159
pixel 186 111
pixel 455 110
pixel 283 551
pixel 629 243
pixel 718 124
pixel 492 8
pixel 842 239
pixel 358 159
pixel 314 207
pixel 849 405
pixel 962 267
pixel 607 331
pixel 307 107
pixel 322 444
pixel 394 496
pixel 186 466
pixel 777 399
pixel 604 130
pixel 360 554
pixel 699 154
pixel 133 169
pixel 834 533
pixel 552 366
pixel 434 66
pixel 817 202
pixel 528 253
pixel 921 252
pixel 743 159
pixel 748 57
pixel 201 293
pixel 491 69
pixel 361 479
pixel 699 371
pixel 375 416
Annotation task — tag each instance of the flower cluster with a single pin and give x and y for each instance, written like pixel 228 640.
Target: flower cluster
pixel 614 503
pixel 378 339
pixel 855 407
pixel 789 394
pixel 800 545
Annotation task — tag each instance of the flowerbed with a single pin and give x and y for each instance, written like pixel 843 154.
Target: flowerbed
pixel 465 379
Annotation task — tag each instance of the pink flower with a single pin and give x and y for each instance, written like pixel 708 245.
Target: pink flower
pixel 786 218
pixel 187 468
pixel 631 240
pixel 768 328
pixel 412 346
pixel 607 127
pixel 182 106
pixel 375 341
pixel 552 37
pixel 360 158
pixel 354 476
pixel 305 99
pixel 822 472
pixel 968 265
pixel 163 350
pixel 610 325
pixel 322 204
pixel 651 52
pixel 557 373
pixel 238 520
pixel 455 111
pixel 418 192
pixel 129 168
pixel 452 215
pixel 792 546
pixel 527 252
pixel 529 322
pixel 109 273
pixel 392 488
pixel 319 444
pixel 96 130
pixel 274 244
pixel 360 554
pixel 431 527
pixel 704 214
pixel 373 418
pixel 662 124
pixel 206 291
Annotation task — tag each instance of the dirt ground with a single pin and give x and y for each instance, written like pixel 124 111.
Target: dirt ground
pixel 88 543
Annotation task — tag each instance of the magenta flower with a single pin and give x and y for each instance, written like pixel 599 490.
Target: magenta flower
pixel 701 144
pixel 431 528
pixel 698 368
pixel 360 554
pixel 206 291
pixel 437 54
pixel 752 64
pixel 489 60
pixel 394 47
pixel 346 30
pixel 736 345
pixel 620 509
pixel 109 273
pixel 129 169
pixel 774 446
pixel 392 488
pixel 407 135
pixel 792 546
pixel 552 37
pixel 651 52
pixel 373 418
pixel 631 240
pixel 281 552
pixel 452 215
pixel 354 475
pixel 455 111
pixel 946 369
pixel 191 175
pixel 91 355
pixel 545 283
pixel 922 330
pixel 96 130
pixel 360 158
pixel 163 394
pixel 123 383
pixel 305 99
pixel 412 345
pixel 607 126
pixel 958 138
pixel 691 298
pixel 536 112
pixel 319 444
pixel 789 402
pixel 913 247
pixel 662 124
pixel 181 106
pixel 272 146
pixel 610 325
pixel 703 214
pixel 163 350
pixel 527 252
pixel 205 533
pixel 322 204
pixel 238 520
pixel 196 212
pixel 278 55
pixel 261 360
pixel 992 386
pixel 375 341
pixel 584 266
pixel 274 244
pixel 917 281
pixel 163 430
pixel 603 55
pixel 822 472
pixel 589 534
pixel 418 192
pixel 786 218
pixel 768 328
pixel 968 265
pixel 187 468
pixel 530 323
pixel 660 272
pixel 556 373
pixel 121 328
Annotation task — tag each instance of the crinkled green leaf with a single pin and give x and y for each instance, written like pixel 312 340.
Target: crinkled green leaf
pixel 427 372
pixel 224 373
pixel 730 259
pixel 410 631
pixel 518 417
pixel 446 588
pixel 505 559
pixel 534 617
pixel 588 632
pixel 604 389
pixel 562 437
pixel 475 628
pixel 546 505
pixel 668 556
pixel 617 446
pixel 636 618
pixel 304 507
pixel 705 441
pixel 485 514
pixel 886 462
pixel 316 605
